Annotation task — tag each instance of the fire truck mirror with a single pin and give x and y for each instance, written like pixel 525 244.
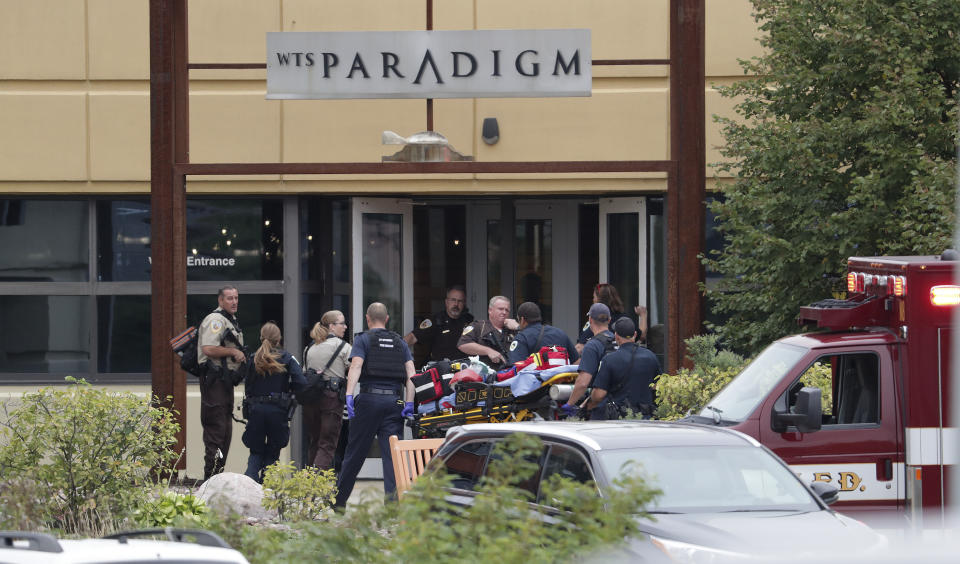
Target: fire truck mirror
pixel 805 415
pixel 829 494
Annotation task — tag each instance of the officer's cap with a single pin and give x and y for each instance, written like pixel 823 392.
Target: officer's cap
pixel 600 312
pixel 625 327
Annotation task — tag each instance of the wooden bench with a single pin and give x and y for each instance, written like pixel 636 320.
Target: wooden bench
pixel 410 459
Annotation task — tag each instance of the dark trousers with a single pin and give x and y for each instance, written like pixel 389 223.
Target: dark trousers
pixel 322 421
pixel 267 432
pixel 216 417
pixel 378 416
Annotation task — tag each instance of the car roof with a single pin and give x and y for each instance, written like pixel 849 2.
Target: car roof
pixel 610 435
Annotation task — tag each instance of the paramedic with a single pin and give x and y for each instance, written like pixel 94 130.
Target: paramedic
pixel 623 384
pixel 440 334
pixel 600 344
pixel 379 395
pixel 220 356
pixel 490 338
pixel 535 334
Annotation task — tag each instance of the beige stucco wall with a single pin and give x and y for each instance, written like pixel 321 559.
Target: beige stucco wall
pixel 74 94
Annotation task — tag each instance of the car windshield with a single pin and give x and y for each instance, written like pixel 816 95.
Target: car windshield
pixel 737 400
pixel 701 479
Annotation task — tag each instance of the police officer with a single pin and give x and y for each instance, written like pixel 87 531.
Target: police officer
pixel 623 382
pixel 597 347
pixel 441 333
pixel 490 338
pixel 379 395
pixel 220 356
pixel 272 378
pixel 535 334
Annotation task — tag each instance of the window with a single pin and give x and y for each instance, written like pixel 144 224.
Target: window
pixel 234 240
pixel 467 463
pixel 123 240
pixel 45 335
pixel 849 384
pixel 567 463
pixel 44 241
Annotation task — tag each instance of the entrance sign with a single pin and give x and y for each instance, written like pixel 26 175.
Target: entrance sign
pixel 429 64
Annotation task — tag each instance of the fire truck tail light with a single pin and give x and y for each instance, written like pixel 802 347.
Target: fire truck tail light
pixel 891 285
pixel 899 286
pixel 945 295
pixel 861 282
pixel 851 282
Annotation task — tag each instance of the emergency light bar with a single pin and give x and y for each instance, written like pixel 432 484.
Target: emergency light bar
pixel 859 283
pixel 945 295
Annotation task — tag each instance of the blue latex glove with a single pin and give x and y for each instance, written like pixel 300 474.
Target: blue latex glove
pixel 567 410
pixel 350 410
pixel 407 409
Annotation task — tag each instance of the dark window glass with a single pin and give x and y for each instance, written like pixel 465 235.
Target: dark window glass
pixel 623 248
pixel 234 240
pixel 45 334
pixel 254 311
pixel 325 260
pixel 123 324
pixel 44 241
pixel 569 464
pixel 123 240
pixel 467 463
pixel 529 483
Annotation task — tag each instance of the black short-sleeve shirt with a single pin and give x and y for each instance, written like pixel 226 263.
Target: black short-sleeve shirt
pixel 523 345
pixel 636 379
pixel 440 335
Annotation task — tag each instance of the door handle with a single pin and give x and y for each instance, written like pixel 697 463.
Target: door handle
pixel 885 469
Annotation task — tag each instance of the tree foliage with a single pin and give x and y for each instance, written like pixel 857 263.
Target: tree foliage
pixel 845 145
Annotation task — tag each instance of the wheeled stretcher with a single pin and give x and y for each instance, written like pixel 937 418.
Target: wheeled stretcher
pixel 524 397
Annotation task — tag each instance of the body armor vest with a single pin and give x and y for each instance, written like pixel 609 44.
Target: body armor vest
pixel 384 363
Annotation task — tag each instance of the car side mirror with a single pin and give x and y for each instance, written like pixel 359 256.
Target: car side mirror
pixel 827 493
pixel 805 415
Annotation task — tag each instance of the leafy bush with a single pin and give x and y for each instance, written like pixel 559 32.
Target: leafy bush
pixel 93 454
pixel 173 508
pixel 500 527
pixel 298 495
pixel 688 390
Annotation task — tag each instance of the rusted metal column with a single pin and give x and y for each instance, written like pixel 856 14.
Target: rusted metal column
pixel 685 196
pixel 167 219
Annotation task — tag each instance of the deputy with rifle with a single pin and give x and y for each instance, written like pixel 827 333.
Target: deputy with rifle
pixel 490 338
pixel 221 356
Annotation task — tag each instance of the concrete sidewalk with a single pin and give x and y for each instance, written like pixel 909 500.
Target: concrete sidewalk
pixel 365 490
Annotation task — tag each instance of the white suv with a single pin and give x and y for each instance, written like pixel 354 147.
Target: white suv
pixel 181 546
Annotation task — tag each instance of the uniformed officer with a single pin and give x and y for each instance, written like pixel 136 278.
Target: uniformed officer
pixel 535 334
pixel 623 382
pixel 273 377
pixel 379 395
pixel 490 338
pixel 441 333
pixel 221 357
pixel 600 344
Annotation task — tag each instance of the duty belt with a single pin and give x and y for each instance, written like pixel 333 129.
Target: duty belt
pixel 367 388
pixel 272 398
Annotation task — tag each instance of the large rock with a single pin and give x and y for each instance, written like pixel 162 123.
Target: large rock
pixel 229 492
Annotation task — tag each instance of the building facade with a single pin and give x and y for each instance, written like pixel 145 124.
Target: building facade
pixel 75 179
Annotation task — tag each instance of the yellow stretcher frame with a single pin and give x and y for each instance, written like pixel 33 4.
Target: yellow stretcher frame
pixel 523 408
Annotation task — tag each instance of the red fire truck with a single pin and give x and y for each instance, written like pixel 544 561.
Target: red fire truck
pixel 864 403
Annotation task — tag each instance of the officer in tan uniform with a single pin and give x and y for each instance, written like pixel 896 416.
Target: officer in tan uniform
pixel 490 338
pixel 221 357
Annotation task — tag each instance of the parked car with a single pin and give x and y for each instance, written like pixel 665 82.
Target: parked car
pixel 177 545
pixel 724 495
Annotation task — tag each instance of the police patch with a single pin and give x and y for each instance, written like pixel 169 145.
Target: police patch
pixel 467 329
pixel 216 326
pixel 586 326
pixel 513 346
pixel 426 324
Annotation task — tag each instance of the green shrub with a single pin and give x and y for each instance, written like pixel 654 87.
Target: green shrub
pixel 688 390
pixel 298 495
pixel 172 508
pixel 93 454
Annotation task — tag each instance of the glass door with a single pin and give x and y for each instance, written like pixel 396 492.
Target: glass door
pixel 545 270
pixel 383 260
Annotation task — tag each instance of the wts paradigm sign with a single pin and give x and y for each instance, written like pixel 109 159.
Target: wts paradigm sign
pixel 429 64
